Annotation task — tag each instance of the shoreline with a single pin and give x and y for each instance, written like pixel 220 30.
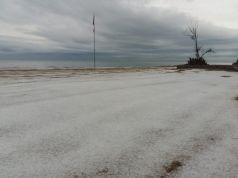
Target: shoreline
pixel 232 68
pixel 71 72
pixel 67 72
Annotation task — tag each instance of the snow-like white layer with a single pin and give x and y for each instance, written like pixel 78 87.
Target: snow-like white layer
pixel 120 125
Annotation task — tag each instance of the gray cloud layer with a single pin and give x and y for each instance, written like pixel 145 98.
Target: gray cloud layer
pixel 124 28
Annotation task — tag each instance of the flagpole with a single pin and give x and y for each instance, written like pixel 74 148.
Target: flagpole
pixel 94 30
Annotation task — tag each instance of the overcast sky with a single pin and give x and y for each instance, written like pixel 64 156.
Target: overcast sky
pixel 124 28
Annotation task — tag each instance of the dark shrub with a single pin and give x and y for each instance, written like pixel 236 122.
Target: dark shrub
pixel 195 61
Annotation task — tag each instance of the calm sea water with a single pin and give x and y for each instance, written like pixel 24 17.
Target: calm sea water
pixel 67 63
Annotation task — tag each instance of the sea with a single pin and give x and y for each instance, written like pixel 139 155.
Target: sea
pixel 88 63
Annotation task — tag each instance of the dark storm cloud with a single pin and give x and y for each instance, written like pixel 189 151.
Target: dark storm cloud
pixel 123 28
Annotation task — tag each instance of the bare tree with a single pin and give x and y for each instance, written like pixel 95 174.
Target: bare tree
pixel 199 51
pixel 236 63
pixel 194 36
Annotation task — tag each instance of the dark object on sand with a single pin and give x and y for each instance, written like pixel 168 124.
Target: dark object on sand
pixel 236 63
pixel 173 166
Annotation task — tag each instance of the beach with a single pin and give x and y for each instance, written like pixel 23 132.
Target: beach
pixel 124 122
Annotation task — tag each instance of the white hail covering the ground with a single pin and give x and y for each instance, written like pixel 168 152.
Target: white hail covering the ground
pixel 120 125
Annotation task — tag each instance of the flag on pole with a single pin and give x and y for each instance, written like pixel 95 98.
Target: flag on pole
pixel 93 23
